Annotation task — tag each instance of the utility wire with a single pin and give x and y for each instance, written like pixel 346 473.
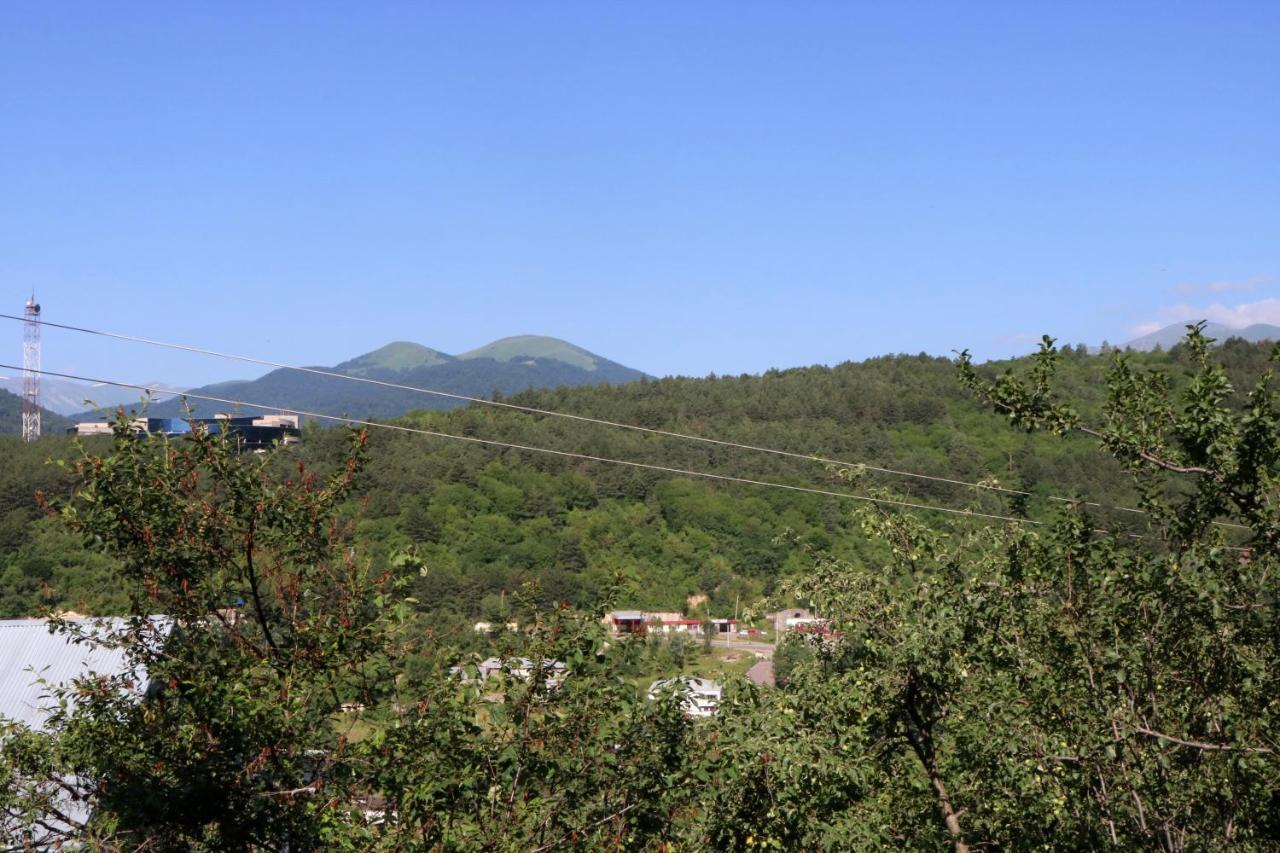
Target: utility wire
pixel 533 449
pixel 567 415
pixel 318 371
pixel 150 389
pixel 583 418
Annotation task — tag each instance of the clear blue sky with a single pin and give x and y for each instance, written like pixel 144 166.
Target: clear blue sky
pixel 682 187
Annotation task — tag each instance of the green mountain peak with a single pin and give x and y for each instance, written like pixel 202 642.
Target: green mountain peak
pixel 532 347
pixel 397 357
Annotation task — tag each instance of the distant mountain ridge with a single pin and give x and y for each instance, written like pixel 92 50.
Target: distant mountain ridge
pixel 506 366
pixel 67 397
pixel 1170 335
pixel 51 423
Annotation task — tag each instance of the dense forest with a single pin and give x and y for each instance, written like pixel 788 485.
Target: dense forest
pixel 1066 680
pixel 479 521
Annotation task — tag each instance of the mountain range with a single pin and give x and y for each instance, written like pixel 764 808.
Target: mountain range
pixel 506 366
pixel 67 397
pixel 1170 335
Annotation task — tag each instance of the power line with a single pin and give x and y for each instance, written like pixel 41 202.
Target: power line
pixel 586 457
pixel 149 389
pixel 317 371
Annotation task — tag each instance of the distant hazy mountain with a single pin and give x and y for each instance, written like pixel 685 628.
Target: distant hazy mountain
pixel 508 366
pixel 1170 335
pixel 51 423
pixel 67 397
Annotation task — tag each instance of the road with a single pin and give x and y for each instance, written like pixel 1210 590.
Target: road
pixel 764 649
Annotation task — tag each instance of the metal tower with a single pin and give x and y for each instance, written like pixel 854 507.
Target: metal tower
pixel 31 371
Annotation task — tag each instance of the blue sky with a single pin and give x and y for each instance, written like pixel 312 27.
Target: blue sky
pixel 684 188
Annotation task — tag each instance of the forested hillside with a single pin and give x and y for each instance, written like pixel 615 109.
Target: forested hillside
pixel 480 521
pixel 980 684
pixel 11 416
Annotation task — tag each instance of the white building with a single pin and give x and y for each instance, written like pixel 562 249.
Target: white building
pixel 701 696
pixel 33 663
pixel 521 668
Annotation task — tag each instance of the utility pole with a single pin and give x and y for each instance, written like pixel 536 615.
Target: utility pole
pixel 31 370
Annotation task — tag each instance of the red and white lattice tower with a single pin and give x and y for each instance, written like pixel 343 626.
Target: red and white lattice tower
pixel 31 371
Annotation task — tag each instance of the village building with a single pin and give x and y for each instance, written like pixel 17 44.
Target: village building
pixel 672 623
pixel 521 668
pixel 701 696
pixel 790 618
pixel 35 661
pixel 491 628
pixel 253 432
pixel 627 622
pixel 640 623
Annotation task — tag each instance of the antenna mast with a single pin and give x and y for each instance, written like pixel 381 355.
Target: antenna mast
pixel 30 371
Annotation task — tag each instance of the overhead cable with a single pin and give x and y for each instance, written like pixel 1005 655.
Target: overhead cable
pixel 533 410
pixel 586 457
pixel 317 371
pixel 362 422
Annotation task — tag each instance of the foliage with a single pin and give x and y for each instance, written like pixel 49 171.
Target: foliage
pixel 1079 678
pixel 1060 684
pixel 272 629
pixel 487 521
pixel 267 622
pixel 531 762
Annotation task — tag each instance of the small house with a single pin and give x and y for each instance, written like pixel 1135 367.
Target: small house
pixel 627 622
pixel 785 620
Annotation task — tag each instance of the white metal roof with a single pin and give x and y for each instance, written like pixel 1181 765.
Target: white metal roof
pixel 30 655
pixel 628 615
pixel 695 685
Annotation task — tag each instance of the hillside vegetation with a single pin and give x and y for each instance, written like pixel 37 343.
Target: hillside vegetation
pixel 51 423
pixel 1061 683
pixel 481 521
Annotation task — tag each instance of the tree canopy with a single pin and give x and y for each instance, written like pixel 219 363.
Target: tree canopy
pixel 1075 677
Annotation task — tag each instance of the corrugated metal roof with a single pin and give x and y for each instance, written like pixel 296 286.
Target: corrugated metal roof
pixel 30 655
pixel 628 615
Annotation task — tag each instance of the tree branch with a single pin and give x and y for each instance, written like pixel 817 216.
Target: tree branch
pixel 593 825
pixel 1208 747
pixel 292 792
pixel 253 588
pixel 918 738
